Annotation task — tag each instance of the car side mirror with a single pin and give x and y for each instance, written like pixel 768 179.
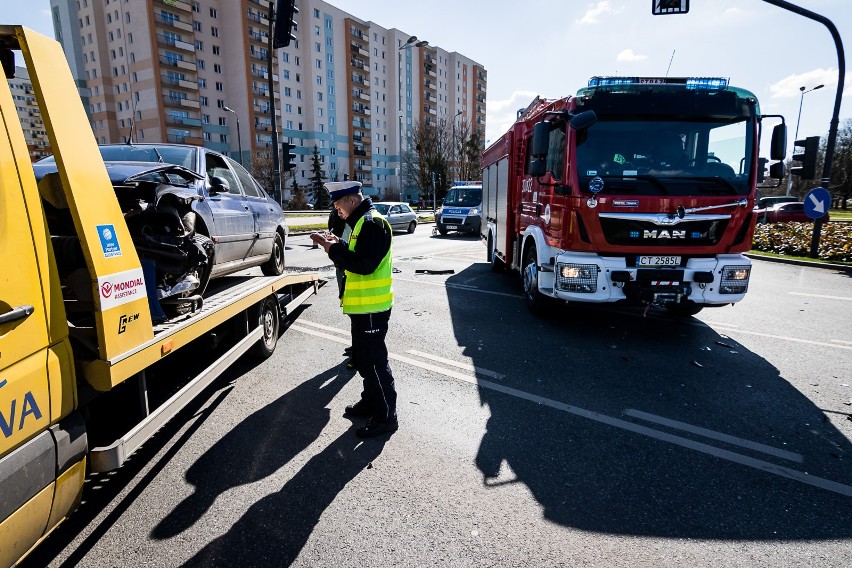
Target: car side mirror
pixel 218 185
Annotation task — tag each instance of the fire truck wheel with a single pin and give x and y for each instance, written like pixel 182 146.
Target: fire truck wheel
pixel 535 300
pixel 496 263
pixel 270 321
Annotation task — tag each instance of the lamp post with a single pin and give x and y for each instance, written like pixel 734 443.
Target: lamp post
pixel 455 161
pixel 409 43
pixel 239 142
pixel 803 91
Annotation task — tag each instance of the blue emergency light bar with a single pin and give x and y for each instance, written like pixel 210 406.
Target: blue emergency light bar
pixel 709 83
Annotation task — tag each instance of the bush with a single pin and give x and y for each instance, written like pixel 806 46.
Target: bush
pixel 794 239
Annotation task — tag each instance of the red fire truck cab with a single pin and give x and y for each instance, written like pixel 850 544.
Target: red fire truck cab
pixel 636 190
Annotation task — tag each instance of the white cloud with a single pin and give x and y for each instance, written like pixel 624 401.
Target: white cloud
pixel 630 55
pixel 503 113
pixel 789 86
pixel 592 14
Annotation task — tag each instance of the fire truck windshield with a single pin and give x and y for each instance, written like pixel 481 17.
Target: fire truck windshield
pixel 652 157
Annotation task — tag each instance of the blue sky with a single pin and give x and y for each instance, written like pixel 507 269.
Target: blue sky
pixel 552 47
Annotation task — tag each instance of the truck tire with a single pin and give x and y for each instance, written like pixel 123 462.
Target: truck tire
pixel 536 301
pixel 270 320
pixel 275 265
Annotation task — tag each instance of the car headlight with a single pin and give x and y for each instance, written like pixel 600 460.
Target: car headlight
pixel 474 211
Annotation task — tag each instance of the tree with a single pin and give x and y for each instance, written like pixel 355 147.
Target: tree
pixel 428 162
pixel 321 197
pixel 841 166
pixel 298 200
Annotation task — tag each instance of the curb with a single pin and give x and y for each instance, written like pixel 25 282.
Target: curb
pixel 840 267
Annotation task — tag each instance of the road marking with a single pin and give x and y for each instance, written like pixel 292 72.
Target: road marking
pixel 756 446
pixel 733 329
pixel 325 327
pixel 460 287
pixel 841 341
pixel 728 455
pixel 465 366
pixel 820 296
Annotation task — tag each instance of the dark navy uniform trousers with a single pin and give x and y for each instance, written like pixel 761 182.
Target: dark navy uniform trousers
pixel 371 360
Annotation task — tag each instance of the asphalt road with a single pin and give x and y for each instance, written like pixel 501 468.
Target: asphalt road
pixel 590 437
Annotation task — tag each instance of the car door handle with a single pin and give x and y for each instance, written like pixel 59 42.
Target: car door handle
pixel 19 313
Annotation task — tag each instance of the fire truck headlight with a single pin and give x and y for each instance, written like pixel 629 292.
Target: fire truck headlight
pixel 734 279
pixel 577 278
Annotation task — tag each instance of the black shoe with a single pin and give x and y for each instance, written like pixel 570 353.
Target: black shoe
pixel 358 410
pixel 350 364
pixel 348 351
pixel 376 428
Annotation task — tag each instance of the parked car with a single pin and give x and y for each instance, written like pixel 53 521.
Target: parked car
pixel 192 212
pixel 770 200
pixel 399 215
pixel 787 212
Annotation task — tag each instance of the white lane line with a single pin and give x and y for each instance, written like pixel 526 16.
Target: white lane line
pixel 841 341
pixel 820 296
pixel 747 461
pixel 732 329
pixel 459 287
pixel 733 440
pixel 465 366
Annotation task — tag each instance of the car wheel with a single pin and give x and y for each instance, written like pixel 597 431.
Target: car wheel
pixel 536 301
pixel 270 320
pixel 203 274
pixel 275 265
pixel 412 226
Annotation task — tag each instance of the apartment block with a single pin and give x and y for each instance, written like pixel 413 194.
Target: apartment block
pixel 29 115
pixel 196 72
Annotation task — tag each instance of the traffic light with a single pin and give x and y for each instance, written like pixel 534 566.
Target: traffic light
pixel 808 157
pixel 285 11
pixel 659 7
pixel 289 155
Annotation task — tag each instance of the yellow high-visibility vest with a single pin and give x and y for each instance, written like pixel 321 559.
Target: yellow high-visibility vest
pixel 368 293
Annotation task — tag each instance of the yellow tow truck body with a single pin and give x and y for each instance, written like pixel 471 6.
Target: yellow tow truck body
pixel 43 438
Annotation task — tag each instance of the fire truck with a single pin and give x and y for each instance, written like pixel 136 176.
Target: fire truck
pixel 635 191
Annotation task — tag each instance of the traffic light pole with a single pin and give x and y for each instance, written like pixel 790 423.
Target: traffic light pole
pixel 835 117
pixel 276 168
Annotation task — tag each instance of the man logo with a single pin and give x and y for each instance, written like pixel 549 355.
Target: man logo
pixel 664 234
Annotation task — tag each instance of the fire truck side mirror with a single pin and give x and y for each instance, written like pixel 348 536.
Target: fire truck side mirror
pixel 541 139
pixel 583 120
pixel 778 151
pixel 538 167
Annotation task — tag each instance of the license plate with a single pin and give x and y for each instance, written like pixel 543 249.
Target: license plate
pixel 659 261
pixel 452 227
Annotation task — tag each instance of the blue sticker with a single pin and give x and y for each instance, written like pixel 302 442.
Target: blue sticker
pixel 2 383
pixel 109 241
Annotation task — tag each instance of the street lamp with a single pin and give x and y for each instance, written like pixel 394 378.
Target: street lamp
pixel 239 142
pixel 409 43
pixel 803 91
pixel 455 160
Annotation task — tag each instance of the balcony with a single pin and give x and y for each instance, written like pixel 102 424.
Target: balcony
pixel 430 110
pixel 176 43
pixel 363 168
pixel 360 152
pixel 173 23
pixel 176 4
pixel 429 59
pixel 182 83
pixel 183 121
pixel 360 49
pixel 178 63
pixel 181 102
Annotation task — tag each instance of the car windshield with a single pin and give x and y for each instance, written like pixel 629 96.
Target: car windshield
pixel 463 197
pixel 178 155
pixel 382 208
pixel 667 157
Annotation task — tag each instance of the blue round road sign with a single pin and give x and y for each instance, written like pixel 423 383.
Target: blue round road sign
pixel 817 202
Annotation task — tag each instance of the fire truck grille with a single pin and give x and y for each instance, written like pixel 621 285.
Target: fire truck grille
pixel 629 232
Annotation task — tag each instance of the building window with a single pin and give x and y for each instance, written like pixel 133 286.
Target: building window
pixel 205 118
pixel 202 82
pixel 199 45
pixel 222 121
pixel 213 13
pixel 214 31
pixel 316 13
pixel 220 103
pixel 287 92
pixel 196 26
pixel 220 86
pixel 316 30
pixel 318 63
pixel 215 50
pixel 217 68
pixel 203 100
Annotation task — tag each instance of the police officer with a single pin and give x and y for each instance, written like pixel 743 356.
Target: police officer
pixel 367 299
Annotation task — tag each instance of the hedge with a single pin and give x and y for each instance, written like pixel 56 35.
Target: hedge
pixel 794 239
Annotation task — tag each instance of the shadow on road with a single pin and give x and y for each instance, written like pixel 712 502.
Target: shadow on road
pixel 256 448
pixel 625 470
